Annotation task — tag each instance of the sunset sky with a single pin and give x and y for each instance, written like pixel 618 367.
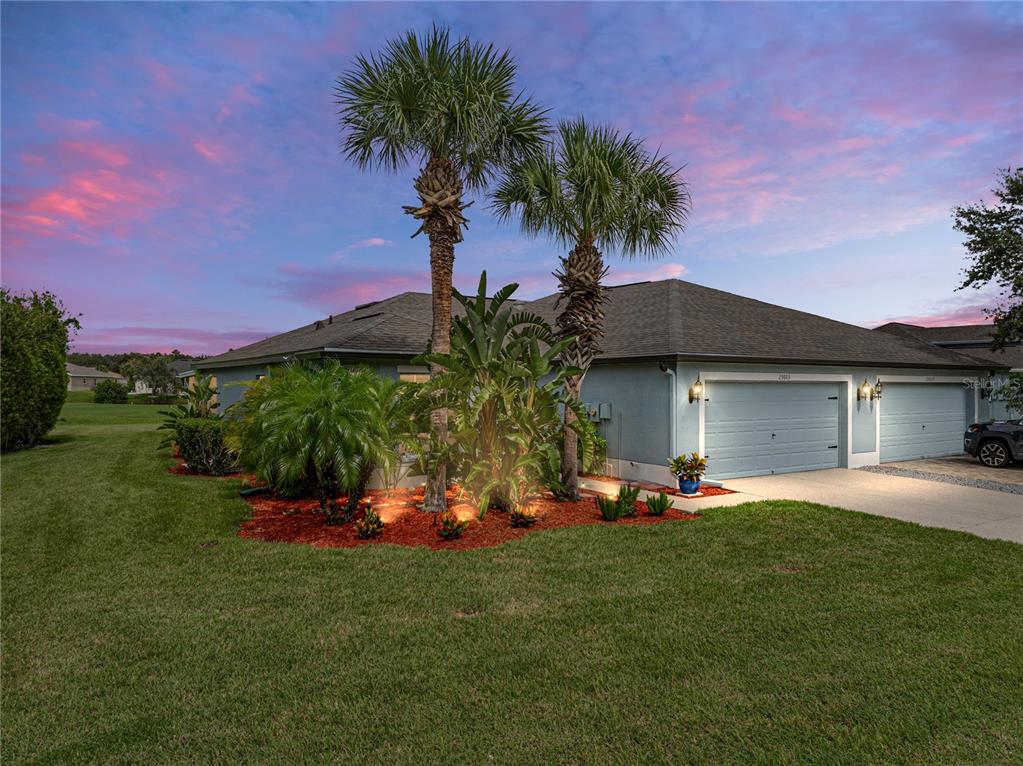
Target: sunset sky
pixel 172 172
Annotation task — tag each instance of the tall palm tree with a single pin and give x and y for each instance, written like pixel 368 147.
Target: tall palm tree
pixel 450 106
pixel 593 190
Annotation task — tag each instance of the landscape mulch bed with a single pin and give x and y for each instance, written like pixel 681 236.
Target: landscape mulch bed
pixel 704 490
pixel 277 519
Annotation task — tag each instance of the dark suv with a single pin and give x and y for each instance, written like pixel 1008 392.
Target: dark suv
pixel 995 444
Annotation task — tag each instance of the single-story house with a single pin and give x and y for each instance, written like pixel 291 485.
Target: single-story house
pixel 757 388
pixel 974 340
pixel 81 378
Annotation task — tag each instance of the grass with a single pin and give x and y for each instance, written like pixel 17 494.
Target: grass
pixel 138 628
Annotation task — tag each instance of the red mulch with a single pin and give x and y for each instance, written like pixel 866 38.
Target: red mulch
pixel 297 521
pixel 705 491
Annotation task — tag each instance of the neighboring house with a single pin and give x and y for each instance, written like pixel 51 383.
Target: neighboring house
pixel 183 373
pixel 973 340
pixel 81 378
pixel 778 388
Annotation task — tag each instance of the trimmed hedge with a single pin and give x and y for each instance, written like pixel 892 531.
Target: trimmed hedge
pixel 110 392
pixel 202 446
pixel 33 353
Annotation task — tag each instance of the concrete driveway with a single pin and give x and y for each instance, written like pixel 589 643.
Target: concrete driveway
pixel 982 512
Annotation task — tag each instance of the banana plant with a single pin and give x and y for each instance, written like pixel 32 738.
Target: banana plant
pixel 504 391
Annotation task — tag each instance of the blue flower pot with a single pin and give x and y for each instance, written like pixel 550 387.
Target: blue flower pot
pixel 687 487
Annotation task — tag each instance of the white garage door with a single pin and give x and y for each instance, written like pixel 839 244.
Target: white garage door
pixel 753 429
pixel 922 420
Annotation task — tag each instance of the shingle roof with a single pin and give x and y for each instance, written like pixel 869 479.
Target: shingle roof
pixel 979 333
pixel 399 325
pixel 971 340
pixel 89 372
pixel 649 319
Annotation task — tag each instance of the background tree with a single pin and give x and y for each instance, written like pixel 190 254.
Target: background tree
pixel 33 355
pixel 594 190
pixel 451 106
pixel 994 239
pixel 150 369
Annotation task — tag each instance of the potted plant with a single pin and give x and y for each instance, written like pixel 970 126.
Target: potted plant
pixel 689 469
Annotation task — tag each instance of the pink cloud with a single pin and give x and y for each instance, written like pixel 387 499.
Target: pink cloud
pixel 188 340
pixel 206 150
pixel 335 290
pixel 653 274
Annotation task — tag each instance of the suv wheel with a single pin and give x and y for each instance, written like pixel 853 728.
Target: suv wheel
pixel 994 454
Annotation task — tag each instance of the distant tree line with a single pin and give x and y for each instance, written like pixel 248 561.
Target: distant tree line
pixel 116 362
pixel 150 369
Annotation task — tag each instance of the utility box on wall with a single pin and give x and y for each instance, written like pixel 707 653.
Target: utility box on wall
pixel 597 411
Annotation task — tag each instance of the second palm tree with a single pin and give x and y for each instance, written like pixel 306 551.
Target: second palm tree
pixel 593 190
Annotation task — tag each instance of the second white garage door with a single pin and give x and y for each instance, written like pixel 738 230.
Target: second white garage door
pixel 753 429
pixel 922 420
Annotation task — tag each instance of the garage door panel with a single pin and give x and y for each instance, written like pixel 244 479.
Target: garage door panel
pixel 921 420
pixel 752 429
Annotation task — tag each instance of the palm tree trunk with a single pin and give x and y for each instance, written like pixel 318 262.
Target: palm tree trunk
pixel 440 191
pixel 582 319
pixel 442 257
pixel 570 448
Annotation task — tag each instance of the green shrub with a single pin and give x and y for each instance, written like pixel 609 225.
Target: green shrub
pixel 318 425
pixel 370 525
pixel 154 399
pixel 522 518
pixel 202 446
pixel 451 528
pixel 658 505
pixel 627 497
pixel 609 508
pixel 33 354
pixel 110 392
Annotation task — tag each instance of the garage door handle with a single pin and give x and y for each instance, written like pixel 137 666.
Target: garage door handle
pixel 833 397
pixel 833 446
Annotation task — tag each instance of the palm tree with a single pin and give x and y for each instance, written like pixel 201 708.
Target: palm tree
pixel 593 190
pixel 450 106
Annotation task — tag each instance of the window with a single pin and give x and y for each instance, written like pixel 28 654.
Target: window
pixel 414 377
pixel 413 374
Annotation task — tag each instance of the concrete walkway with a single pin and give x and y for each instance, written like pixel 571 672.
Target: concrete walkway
pixel 982 512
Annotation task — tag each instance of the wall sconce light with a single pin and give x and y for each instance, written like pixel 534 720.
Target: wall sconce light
pixel 696 391
pixel 865 391
pixel 878 388
pixel 986 389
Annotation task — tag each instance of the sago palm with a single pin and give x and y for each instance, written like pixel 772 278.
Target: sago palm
pixel 315 426
pixel 592 191
pixel 451 107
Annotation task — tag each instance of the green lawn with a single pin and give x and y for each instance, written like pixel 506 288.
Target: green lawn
pixel 137 628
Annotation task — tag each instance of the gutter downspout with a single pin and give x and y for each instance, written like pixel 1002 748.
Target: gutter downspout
pixel 674 407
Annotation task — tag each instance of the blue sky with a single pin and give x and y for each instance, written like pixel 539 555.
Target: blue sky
pixel 173 172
